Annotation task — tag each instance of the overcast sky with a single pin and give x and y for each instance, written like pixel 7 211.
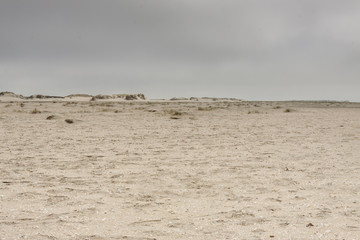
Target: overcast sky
pixel 249 49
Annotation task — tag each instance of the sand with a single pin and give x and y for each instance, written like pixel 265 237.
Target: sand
pixel 179 170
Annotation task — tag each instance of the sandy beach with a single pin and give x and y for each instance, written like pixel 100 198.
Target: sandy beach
pixel 161 169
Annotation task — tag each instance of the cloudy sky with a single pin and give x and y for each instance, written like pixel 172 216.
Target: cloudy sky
pixel 249 49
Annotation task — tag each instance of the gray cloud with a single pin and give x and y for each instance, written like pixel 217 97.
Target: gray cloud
pixel 166 48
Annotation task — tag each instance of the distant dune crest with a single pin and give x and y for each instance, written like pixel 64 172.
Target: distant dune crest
pixel 138 96
pixel 10 94
pixel 204 99
pixel 87 97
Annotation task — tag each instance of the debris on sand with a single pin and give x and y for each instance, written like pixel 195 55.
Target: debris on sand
pixel 69 121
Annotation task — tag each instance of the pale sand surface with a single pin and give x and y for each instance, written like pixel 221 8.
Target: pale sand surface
pixel 126 170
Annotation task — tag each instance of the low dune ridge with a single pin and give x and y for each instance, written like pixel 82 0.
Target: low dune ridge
pixel 79 95
pixel 40 96
pixel 138 96
pixel 204 99
pixel 10 96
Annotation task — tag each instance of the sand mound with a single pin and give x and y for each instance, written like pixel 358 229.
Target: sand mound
pixel 79 95
pixel 40 96
pixel 138 96
pixel 10 96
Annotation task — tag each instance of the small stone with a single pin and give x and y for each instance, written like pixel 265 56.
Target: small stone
pixel 69 121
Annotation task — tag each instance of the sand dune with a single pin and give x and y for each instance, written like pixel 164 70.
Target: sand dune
pixel 10 96
pixel 179 170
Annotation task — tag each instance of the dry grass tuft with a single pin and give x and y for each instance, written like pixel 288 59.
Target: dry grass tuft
pixel 106 110
pixel 288 110
pixel 205 108
pixel 35 111
pixel 70 103
pixel 174 112
pixel 105 104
